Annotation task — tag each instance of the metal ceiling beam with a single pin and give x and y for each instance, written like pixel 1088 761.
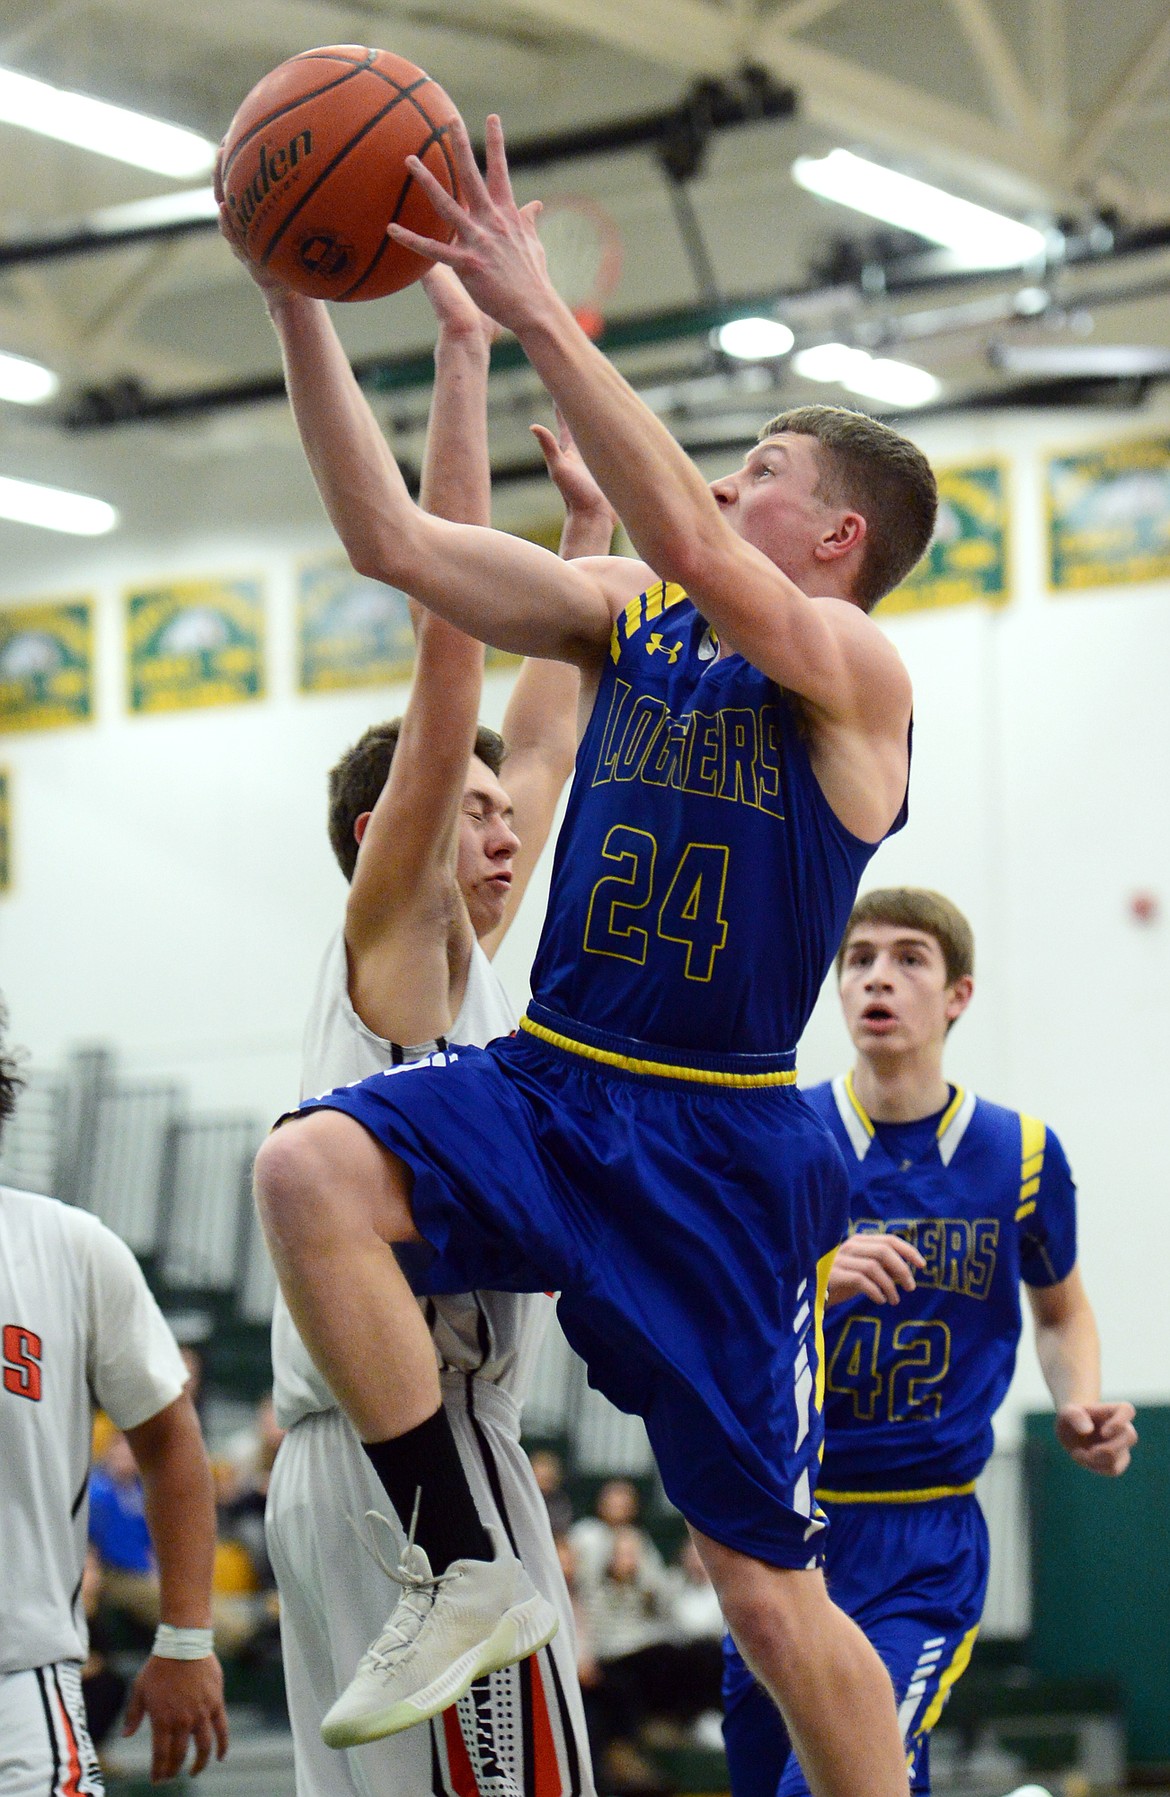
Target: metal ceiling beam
pixel 680 34
pixel 126 402
pixel 1127 93
pixel 1000 69
pixel 849 98
pixel 1050 65
pixel 695 36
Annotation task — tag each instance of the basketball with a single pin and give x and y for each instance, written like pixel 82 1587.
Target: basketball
pixel 313 170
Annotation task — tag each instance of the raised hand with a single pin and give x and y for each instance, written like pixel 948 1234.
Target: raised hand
pixel 270 286
pixel 880 1266
pixel 458 315
pixel 495 250
pixel 1097 1436
pixel 569 475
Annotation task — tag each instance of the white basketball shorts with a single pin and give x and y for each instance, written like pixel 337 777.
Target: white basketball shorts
pixel 518 1733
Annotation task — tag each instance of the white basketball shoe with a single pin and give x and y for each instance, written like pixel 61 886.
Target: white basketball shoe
pixel 445 1631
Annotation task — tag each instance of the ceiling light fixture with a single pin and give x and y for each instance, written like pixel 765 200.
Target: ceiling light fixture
pixel 51 508
pixel 160 209
pixel 26 383
pixel 978 237
pixel 877 377
pixel 1085 361
pixel 754 339
pixel 108 130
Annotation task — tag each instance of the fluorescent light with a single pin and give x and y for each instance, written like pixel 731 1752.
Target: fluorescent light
pixel 159 209
pixel 109 130
pixel 754 339
pixel 1030 302
pixel 979 237
pixel 25 502
pixel 1101 361
pixel 26 383
pixel 877 377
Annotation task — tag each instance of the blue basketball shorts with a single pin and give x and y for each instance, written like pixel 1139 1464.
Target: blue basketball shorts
pixel 914 1578
pixel 687 1227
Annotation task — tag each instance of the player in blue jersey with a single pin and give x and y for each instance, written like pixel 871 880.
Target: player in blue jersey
pixel 954 1202
pixel 640 1145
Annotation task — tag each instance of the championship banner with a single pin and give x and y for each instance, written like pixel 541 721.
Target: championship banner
pixel 968 555
pixel 5 830
pixel 46 664
pixel 350 631
pixel 193 643
pixel 1109 515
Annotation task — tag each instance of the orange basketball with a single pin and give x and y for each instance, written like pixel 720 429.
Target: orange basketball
pixel 313 170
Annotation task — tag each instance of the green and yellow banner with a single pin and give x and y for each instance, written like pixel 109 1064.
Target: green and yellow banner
pixel 1109 515
pixel 351 631
pixel 194 643
pixel 968 556
pixel 46 664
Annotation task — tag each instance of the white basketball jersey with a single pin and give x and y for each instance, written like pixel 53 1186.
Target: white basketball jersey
pixel 79 1326
pixel 493 1335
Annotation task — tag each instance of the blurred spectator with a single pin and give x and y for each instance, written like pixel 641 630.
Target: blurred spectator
pixel 617 1506
pixel 244 1482
pixel 549 1471
pixel 653 1662
pixel 245 1584
pixel 118 1532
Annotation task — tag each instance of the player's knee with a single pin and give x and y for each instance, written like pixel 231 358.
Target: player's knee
pixel 769 1613
pixel 322 1177
pixel 291 1179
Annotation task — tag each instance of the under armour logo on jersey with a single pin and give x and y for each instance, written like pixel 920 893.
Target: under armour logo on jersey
pixel 709 645
pixel 654 643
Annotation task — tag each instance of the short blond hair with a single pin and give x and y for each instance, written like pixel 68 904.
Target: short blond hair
pixel 917 908
pixel 879 473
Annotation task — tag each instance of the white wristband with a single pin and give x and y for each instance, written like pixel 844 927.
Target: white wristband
pixel 182 1644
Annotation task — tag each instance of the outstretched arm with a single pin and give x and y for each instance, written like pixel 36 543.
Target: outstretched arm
pixel 500 589
pixel 540 724
pixel 825 650
pixel 1096 1435
pixel 182 1698
pixel 404 921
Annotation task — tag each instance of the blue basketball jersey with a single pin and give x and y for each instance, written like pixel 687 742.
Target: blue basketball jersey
pixel 986 1196
pixel 702 881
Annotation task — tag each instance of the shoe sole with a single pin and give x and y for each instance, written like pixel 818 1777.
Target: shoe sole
pixel 521 1631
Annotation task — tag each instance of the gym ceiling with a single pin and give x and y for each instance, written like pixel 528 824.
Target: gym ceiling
pixel 681 120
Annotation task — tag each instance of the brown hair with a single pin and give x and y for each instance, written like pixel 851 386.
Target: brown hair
pixel 879 473
pixel 917 908
pixel 359 776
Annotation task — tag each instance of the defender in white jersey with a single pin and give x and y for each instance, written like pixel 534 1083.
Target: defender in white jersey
pixel 434 886
pixel 78 1325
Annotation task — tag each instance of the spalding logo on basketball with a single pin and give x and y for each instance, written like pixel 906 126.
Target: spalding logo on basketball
pixel 313 170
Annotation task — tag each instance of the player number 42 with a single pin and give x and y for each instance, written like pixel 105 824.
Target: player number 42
pixel 690 911
pixel 894 1380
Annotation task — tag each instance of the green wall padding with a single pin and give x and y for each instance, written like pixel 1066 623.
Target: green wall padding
pixel 1100 1555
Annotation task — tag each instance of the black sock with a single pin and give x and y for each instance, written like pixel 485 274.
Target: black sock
pixel 425 1462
